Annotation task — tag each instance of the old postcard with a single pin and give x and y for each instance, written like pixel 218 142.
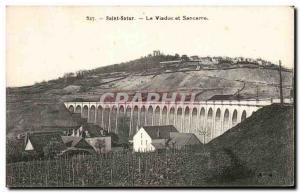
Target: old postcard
pixel 150 96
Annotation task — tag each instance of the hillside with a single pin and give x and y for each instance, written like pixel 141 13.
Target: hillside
pixel 258 151
pixel 148 74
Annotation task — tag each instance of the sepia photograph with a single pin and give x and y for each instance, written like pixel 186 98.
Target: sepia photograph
pixel 150 96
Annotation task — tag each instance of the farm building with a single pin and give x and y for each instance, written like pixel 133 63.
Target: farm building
pixel 181 140
pixel 76 142
pixel 38 141
pixel 151 138
pixel 76 145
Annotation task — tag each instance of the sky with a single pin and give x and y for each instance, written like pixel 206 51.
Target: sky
pixel 43 43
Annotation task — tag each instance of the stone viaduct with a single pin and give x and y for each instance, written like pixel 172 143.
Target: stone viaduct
pixel 206 119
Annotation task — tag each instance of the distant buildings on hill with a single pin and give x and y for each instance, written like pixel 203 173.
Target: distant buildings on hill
pixel 217 62
pixel 210 60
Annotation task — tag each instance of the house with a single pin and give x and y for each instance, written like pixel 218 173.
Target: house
pixel 76 145
pixel 94 136
pixel 38 141
pixel 151 138
pixel 76 142
pixel 72 151
pixel 181 140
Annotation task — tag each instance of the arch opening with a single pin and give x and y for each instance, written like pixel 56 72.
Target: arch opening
pixel 113 119
pixel 123 125
pixel 135 119
pixel 85 112
pixel 78 109
pixel 92 114
pixel 234 118
pixel 209 124
pixel 179 119
pixel 164 116
pixel 99 116
pixel 202 119
pixel 218 126
pixel 71 108
pixel 172 116
pixel 106 119
pixel 157 116
pixel 186 124
pixel 244 115
pixel 194 124
pixel 143 116
pixel 128 117
pixel 149 116
pixel 226 120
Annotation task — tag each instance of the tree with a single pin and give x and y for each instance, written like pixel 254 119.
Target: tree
pixel 14 150
pixel 68 75
pixel 81 73
pixel 185 58
pixel 114 138
pixel 100 144
pixel 52 149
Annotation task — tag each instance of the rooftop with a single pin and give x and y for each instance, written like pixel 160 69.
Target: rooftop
pixel 41 140
pixel 181 139
pixel 77 142
pixel 160 131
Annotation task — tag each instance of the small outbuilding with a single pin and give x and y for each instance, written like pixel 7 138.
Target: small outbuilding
pixel 181 140
pixel 38 141
pixel 76 142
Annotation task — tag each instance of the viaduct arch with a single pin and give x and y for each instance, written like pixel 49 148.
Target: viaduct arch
pixel 212 118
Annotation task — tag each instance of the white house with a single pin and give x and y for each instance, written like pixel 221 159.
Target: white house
pixel 151 138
